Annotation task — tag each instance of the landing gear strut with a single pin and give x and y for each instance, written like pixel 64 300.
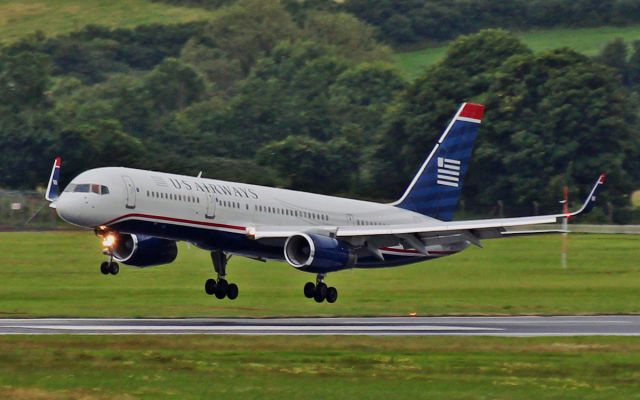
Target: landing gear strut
pixel 221 288
pixel 108 240
pixel 319 290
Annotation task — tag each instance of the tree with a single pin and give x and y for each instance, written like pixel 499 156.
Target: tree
pixel 426 107
pixel 546 112
pixel 24 78
pixel 614 55
pixel 172 85
pixel 100 144
pixel 310 165
pixel 249 30
pixel 543 113
pixel 348 36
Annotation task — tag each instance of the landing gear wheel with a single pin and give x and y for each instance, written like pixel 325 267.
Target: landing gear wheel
pixel 232 291
pixel 332 295
pixel 210 286
pixel 221 288
pixel 114 268
pixel 309 290
pixel 322 289
pixel 104 268
pixel 319 296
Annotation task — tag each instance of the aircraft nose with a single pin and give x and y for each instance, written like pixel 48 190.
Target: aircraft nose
pixel 69 209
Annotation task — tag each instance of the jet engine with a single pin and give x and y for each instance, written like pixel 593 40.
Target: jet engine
pixel 318 253
pixel 142 250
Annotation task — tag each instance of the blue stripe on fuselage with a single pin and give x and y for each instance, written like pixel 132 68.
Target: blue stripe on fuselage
pixel 212 239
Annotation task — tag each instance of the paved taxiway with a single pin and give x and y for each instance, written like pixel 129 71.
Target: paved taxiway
pixel 469 326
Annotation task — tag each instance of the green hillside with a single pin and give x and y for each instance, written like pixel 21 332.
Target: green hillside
pixel 18 19
pixel 586 40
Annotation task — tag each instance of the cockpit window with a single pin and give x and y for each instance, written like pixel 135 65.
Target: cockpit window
pixel 87 188
pixel 82 188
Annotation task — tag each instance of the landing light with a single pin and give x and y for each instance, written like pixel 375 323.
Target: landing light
pixel 109 240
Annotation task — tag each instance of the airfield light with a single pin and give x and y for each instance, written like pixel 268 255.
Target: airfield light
pixel 109 240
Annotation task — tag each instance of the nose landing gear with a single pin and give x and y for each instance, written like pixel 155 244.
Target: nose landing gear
pixel 220 287
pixel 319 291
pixel 109 267
pixel 108 241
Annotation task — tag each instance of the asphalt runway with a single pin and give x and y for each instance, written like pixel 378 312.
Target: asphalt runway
pixel 400 326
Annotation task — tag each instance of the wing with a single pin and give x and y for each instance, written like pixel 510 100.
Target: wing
pixel 421 235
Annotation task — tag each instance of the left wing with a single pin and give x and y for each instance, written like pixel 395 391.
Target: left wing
pixel 436 232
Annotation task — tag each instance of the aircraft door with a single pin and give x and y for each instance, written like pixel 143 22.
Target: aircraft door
pixel 131 191
pixel 211 206
pixel 350 219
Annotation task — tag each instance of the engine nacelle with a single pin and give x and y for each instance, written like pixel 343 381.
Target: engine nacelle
pixel 143 251
pixel 318 253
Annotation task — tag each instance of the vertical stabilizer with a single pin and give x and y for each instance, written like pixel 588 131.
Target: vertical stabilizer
pixel 435 190
pixel 52 188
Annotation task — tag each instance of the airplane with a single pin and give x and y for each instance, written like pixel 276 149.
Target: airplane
pixel 140 215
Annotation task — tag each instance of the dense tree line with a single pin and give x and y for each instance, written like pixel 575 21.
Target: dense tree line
pixel 261 95
pixel 402 22
pixel 410 21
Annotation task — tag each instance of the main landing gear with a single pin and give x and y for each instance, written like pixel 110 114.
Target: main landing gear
pixel 221 288
pixel 319 290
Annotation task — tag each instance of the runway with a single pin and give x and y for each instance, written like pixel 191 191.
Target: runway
pixel 397 326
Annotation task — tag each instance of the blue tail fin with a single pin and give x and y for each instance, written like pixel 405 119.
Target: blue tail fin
pixel 435 190
pixel 52 188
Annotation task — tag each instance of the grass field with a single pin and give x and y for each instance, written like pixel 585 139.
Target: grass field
pixel 56 274
pixel 587 40
pixel 635 198
pixel 222 367
pixel 21 18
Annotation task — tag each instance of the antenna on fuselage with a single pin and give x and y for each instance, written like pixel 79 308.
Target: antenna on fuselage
pixel 199 175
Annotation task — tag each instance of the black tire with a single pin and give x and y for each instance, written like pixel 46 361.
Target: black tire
pixel 104 268
pixel 322 289
pixel 332 295
pixel 309 290
pixel 114 268
pixel 319 296
pixel 210 286
pixel 232 291
pixel 221 288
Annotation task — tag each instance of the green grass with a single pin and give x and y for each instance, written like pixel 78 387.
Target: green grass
pixel 19 19
pixel 221 367
pixel 56 274
pixel 635 198
pixel 587 40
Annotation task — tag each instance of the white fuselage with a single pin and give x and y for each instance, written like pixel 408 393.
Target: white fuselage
pixel 192 199
pixel 216 214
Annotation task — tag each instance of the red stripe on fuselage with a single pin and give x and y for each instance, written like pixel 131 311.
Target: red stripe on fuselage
pixel 171 219
pixel 411 251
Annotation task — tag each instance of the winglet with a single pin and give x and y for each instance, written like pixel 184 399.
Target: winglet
pixel 591 199
pixel 52 187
